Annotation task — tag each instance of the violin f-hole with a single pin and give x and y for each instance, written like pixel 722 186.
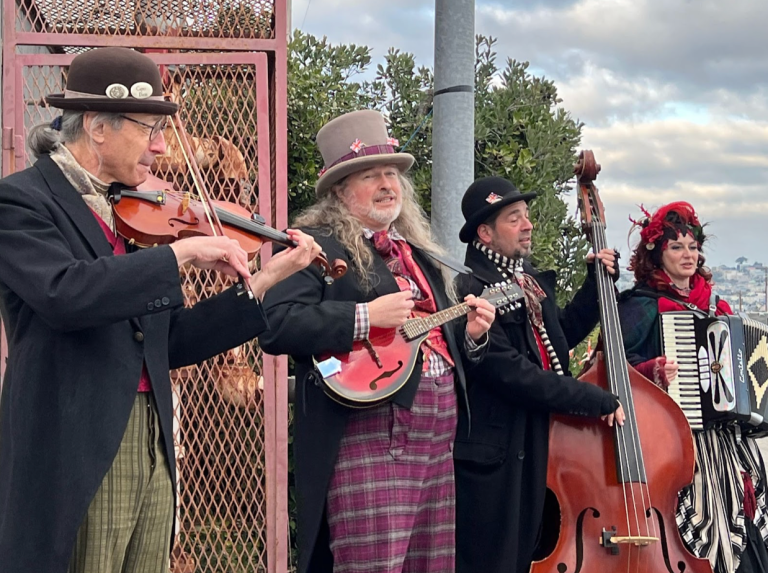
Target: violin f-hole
pixel 193 222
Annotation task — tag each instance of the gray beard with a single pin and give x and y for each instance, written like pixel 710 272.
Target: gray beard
pixel 385 217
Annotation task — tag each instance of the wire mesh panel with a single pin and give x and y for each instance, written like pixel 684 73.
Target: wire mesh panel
pixel 190 18
pixel 224 408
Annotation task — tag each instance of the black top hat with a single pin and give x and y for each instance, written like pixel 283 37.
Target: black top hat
pixel 485 197
pixel 118 80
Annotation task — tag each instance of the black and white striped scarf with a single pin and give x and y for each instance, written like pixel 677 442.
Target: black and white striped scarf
pixel 533 296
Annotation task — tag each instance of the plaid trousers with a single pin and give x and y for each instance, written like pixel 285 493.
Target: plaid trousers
pixel 391 502
pixel 127 528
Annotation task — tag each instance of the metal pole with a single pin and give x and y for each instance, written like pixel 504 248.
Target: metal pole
pixel 453 127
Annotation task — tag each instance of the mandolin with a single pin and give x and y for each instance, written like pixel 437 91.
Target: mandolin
pixel 379 366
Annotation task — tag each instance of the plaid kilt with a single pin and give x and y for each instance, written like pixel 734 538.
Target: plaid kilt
pixel 391 502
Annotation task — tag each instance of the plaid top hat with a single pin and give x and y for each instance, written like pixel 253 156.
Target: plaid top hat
pixel 485 197
pixel 353 142
pixel 117 80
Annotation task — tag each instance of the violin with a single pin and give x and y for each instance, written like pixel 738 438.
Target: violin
pixel 150 218
pixel 615 488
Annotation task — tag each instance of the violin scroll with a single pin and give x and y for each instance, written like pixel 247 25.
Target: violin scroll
pixel 331 270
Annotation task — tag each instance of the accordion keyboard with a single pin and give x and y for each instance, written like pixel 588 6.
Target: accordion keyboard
pixel 679 342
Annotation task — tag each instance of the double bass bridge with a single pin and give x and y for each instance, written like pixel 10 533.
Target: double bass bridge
pixel 611 541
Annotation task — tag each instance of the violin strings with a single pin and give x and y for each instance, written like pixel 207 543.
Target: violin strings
pixel 244 223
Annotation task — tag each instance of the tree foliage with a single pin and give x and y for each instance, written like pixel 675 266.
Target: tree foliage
pixel 321 86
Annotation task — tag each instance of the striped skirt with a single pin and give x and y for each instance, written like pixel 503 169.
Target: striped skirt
pixel 391 502
pixel 710 513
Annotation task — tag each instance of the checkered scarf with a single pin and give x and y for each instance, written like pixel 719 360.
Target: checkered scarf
pixel 534 294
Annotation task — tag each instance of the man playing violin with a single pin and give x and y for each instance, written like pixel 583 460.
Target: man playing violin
pixel 501 464
pixel 375 485
pixel 86 454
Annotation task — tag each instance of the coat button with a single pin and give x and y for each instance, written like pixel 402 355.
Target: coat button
pixel 158 303
pixel 150 305
pixel 520 455
pixel 166 301
pixel 138 336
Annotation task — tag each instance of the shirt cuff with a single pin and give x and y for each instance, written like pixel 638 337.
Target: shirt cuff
pixel 473 348
pixel 362 322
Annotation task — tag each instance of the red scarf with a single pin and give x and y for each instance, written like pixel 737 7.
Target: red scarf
pixel 701 292
pixel 399 259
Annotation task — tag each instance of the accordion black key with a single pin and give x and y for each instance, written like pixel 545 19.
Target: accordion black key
pixel 723 368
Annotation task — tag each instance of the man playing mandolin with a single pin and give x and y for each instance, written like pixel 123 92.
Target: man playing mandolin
pixel 375 485
pixel 87 464
pixel 501 464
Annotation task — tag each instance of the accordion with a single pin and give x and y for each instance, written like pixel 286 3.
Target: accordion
pixel 723 368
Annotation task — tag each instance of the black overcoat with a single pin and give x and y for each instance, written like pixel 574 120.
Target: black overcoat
pixel 308 318
pixel 501 460
pixel 80 324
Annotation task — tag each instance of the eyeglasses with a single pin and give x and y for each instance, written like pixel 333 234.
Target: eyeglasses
pixel 154 129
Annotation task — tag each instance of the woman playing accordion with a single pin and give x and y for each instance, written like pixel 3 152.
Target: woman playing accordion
pixel 722 516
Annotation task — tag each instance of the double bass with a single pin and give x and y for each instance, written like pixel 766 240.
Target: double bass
pixel 613 491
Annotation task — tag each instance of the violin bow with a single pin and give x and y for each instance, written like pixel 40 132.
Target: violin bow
pixel 202 189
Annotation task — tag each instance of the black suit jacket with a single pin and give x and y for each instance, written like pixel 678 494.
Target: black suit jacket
pixel 501 463
pixel 80 324
pixel 308 318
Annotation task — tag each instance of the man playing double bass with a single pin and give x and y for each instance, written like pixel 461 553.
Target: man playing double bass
pixel 501 457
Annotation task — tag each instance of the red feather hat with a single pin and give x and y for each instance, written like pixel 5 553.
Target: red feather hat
pixel 667 223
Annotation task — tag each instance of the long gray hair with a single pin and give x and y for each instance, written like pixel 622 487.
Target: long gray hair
pixel 42 138
pixel 412 223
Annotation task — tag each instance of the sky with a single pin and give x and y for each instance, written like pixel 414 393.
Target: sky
pixel 673 94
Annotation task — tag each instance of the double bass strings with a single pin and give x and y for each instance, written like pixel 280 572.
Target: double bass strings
pixel 622 449
pixel 620 376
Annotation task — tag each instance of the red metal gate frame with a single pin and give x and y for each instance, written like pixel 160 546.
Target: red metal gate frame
pixel 238 50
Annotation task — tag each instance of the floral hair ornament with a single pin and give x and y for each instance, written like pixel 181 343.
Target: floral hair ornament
pixel 668 222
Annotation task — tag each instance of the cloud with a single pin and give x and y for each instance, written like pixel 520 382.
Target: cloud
pixel 684 41
pixel 662 152
pixel 720 168
pixel 404 24
pixel 673 93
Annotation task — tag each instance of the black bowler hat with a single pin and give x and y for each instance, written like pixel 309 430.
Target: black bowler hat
pixel 485 197
pixel 117 80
